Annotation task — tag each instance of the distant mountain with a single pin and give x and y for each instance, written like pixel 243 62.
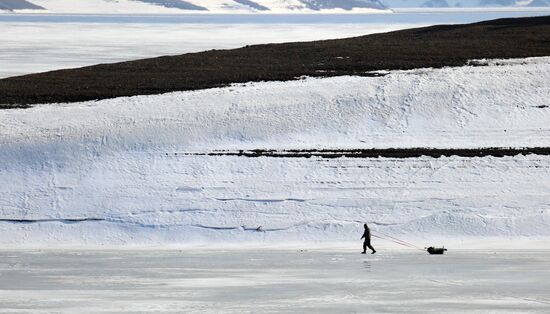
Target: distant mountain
pixel 253 5
pixel 248 6
pixel 436 4
pixel 464 3
pixel 540 3
pixel 177 6
pixel 497 3
pixel 507 3
pixel 11 5
pixel 342 4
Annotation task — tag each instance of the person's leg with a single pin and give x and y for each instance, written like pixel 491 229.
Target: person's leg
pixel 364 248
pixel 370 247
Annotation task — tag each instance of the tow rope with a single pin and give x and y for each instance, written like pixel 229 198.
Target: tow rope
pixel 397 241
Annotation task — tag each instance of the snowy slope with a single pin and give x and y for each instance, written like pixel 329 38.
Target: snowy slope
pixel 199 6
pixel 114 172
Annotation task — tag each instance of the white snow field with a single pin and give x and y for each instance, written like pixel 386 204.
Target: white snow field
pixel 115 172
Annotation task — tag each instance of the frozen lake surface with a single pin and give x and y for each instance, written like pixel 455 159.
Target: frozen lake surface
pixel 273 281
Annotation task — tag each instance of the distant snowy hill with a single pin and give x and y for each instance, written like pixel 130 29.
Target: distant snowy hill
pixel 248 6
pixel 11 5
pixel 194 6
pixel 465 3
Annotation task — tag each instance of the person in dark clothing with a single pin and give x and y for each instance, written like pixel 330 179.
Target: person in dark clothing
pixel 366 243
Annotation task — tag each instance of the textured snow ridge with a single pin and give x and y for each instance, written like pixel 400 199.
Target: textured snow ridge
pixel 193 6
pixel 114 172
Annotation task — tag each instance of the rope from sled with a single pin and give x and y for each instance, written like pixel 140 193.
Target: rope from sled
pixel 396 240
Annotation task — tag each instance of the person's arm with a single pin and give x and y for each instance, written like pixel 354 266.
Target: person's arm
pixel 363 236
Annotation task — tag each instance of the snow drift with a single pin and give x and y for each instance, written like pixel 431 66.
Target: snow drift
pixel 115 172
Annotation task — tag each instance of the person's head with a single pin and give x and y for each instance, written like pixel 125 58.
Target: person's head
pixel 365 225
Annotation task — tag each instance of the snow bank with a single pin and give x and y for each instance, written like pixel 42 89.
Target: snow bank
pixel 114 172
pixel 465 107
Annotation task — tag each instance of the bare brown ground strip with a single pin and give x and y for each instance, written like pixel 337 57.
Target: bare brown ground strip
pixel 436 46
pixel 380 152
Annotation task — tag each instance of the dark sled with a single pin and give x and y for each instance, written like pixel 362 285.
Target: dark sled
pixel 436 250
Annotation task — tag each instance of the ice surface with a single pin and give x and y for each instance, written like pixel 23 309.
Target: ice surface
pixel 280 281
pixel 114 172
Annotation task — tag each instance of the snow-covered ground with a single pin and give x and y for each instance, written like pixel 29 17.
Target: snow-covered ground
pixel 279 281
pixel 119 167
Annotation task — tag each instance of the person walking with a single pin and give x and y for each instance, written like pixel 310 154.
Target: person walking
pixel 366 243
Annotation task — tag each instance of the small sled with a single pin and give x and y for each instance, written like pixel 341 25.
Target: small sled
pixel 436 250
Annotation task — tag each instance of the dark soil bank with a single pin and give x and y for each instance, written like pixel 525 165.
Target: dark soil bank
pixel 436 46
pixel 383 152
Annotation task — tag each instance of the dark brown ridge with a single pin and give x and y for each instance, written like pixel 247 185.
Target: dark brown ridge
pixel 436 46
pixel 381 152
